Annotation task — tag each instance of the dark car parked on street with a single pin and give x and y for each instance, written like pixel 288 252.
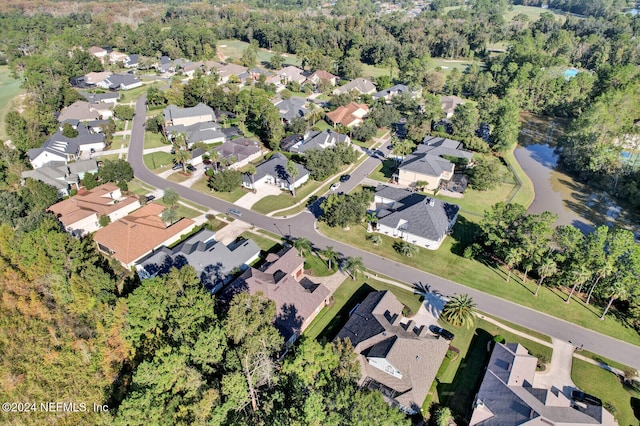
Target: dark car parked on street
pixel 345 178
pixel 445 334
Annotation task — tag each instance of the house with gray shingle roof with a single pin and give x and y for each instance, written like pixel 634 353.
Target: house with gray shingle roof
pixel 61 148
pixel 274 172
pixel 428 163
pixel 319 140
pixel 62 176
pixel 396 355
pixel 392 91
pixel 206 131
pixel 176 116
pixel 418 219
pixel 97 98
pixel 213 261
pixel 291 109
pixel 239 152
pixel 120 82
pixel 508 397
pixel 360 85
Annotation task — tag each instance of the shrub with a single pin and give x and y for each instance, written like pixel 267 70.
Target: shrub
pixel 104 220
pixel 499 339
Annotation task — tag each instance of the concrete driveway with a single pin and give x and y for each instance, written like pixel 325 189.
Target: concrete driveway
pixel 558 373
pixel 262 190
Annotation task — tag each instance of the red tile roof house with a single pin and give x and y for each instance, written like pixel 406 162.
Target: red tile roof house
pixel 80 214
pixel 137 234
pixel 281 279
pixel 349 115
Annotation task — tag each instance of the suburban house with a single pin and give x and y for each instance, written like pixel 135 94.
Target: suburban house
pixel 318 140
pixel 61 148
pixel 132 61
pixel 449 104
pixel 115 57
pixel 274 172
pixel 242 150
pixel 80 111
pixel 100 98
pixel 397 356
pixel 213 261
pixel 62 176
pixel 350 115
pixel 428 163
pixel 317 76
pixel 291 109
pixel 225 71
pixel 132 237
pixel 80 214
pixel 206 131
pixel 507 395
pixel 392 91
pixel 120 82
pixel 418 219
pixel 176 116
pixel 360 85
pixel 281 279
pixel 292 74
pixel 94 78
pixel 99 53
pixel 190 69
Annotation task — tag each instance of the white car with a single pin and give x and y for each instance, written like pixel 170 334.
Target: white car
pixel 335 186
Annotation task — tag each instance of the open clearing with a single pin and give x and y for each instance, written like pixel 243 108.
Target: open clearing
pixel 9 89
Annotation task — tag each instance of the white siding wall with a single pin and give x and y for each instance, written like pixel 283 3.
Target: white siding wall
pixel 414 239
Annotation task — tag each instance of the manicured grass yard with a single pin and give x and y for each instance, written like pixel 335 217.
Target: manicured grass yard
pixel 447 262
pixel 322 125
pixel 183 211
pixel 232 197
pixel 276 202
pixel 265 244
pixel 317 267
pixel 158 161
pixel 233 49
pixel 385 170
pixel 351 292
pixel 477 202
pixel 178 176
pixel 606 386
pixel 127 96
pixel 153 140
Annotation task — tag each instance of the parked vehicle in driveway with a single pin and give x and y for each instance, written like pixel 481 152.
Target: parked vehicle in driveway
pixel 439 331
pixel 578 395
pixel 150 197
pixel 235 212
pixel 177 166
pixel 191 168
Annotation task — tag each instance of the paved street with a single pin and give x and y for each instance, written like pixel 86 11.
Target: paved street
pixel 303 225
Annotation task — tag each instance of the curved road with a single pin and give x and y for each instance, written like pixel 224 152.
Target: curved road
pixel 303 225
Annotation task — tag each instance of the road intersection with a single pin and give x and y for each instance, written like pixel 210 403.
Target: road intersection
pixel 304 225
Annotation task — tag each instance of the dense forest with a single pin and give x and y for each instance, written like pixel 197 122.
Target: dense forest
pixel 76 327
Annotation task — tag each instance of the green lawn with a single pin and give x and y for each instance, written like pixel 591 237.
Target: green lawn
pixel 233 49
pixel 477 202
pixel 153 140
pixel 179 176
pixel 332 318
pixel 110 157
pixel 276 202
pixel 138 187
pixel 127 96
pixel 322 125
pixel 9 89
pixel 606 386
pixel 385 170
pixel 232 197
pixel 183 211
pixel 265 244
pixel 317 267
pixel 533 13
pixel 526 193
pixel 447 262
pixel 158 161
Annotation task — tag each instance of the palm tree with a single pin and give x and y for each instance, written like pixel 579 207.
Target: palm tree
pixel 547 268
pixel 169 215
pixel 303 246
pixel 214 156
pixel 293 172
pixel 513 257
pixel 372 219
pixel 460 310
pixel 171 197
pixel 405 248
pixel 251 171
pixel 617 290
pixel 375 239
pixel 181 156
pixel 582 274
pixel 354 265
pixel 330 254
pixel 443 416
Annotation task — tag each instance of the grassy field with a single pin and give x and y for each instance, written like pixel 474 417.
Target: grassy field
pixel 447 262
pixel 477 202
pixel 606 385
pixel 158 161
pixel 276 202
pixel 183 211
pixel 127 96
pixel 533 13
pixel 351 292
pixel 232 197
pixel 153 140
pixel 9 89
pixel 233 49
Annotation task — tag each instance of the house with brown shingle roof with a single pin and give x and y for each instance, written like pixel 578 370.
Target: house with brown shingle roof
pixel 396 355
pixel 349 115
pixel 80 214
pixel 281 279
pixel 319 75
pixel 134 236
